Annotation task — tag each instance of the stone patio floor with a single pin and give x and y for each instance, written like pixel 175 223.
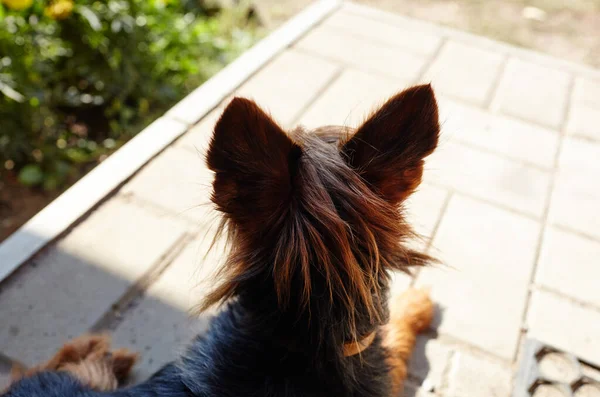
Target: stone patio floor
pixel 510 203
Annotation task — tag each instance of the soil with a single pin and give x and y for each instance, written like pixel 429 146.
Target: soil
pixel 568 30
pixel 19 203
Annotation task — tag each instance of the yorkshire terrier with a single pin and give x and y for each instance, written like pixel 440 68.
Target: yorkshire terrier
pixel 315 225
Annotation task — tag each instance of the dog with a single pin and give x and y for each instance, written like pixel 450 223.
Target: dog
pixel 315 225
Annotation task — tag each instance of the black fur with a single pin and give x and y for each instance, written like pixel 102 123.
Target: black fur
pixel 239 356
pixel 315 225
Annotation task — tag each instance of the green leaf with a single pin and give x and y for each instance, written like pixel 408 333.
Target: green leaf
pixel 51 183
pixel 12 94
pixel 91 17
pixel 31 175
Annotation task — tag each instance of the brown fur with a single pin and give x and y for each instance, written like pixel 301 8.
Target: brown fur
pixel 411 314
pixel 90 360
pixel 315 224
pixel 265 177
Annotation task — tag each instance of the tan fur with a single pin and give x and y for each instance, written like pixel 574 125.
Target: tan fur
pixel 90 360
pixel 411 313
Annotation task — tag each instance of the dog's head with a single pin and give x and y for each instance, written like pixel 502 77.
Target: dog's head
pixel 315 217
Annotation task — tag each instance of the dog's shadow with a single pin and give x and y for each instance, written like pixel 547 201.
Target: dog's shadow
pixel 419 365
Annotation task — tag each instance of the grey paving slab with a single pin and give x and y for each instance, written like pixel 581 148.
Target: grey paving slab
pixel 398 35
pixel 565 325
pixel 533 92
pixel 464 71
pixel 197 138
pixel 179 183
pixel 584 121
pixel 508 136
pixel 586 91
pixel 429 363
pixel 424 208
pixel 4 380
pixel 485 175
pixel 576 194
pixel 584 114
pixel 163 322
pixel 284 87
pixel 4 374
pixel 569 263
pixel 62 293
pixel 350 99
pixel 486 252
pixel 376 57
pixel 399 282
pixel 288 84
pixel 472 375
pixel 414 391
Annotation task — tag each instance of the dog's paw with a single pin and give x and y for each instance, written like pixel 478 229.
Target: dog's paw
pixel 413 307
pixel 123 361
pixel 72 352
pixel 90 360
pixel 103 371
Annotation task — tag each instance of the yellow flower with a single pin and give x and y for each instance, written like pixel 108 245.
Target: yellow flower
pixel 18 4
pixel 59 9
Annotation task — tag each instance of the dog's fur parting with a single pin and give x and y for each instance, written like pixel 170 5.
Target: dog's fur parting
pixel 315 223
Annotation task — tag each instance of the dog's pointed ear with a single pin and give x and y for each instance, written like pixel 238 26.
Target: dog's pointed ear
pixel 388 149
pixel 253 160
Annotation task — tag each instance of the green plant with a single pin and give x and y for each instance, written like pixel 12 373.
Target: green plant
pixel 77 79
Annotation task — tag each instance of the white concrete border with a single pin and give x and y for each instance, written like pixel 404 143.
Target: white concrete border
pixel 59 215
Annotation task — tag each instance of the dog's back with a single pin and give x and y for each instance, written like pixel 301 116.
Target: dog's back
pixel 314 221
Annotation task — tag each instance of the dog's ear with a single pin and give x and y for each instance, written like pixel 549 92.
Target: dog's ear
pixel 254 161
pixel 389 148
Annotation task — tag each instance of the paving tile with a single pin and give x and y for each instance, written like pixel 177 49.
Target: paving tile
pixel 179 182
pixel 350 99
pixel 565 325
pixel 197 138
pixel 4 374
pixel 584 121
pixel 284 87
pixel 163 323
pixel 397 35
pixel 579 155
pixel 587 92
pixel 4 381
pixel 414 391
pixel 399 283
pixel 429 362
pixel 288 84
pixel 424 208
pixel 584 115
pixel 62 293
pixel 363 53
pixel 507 136
pixel 569 264
pixel 471 375
pixel 488 176
pixel 576 193
pixel 488 255
pixel 464 71
pixel 533 92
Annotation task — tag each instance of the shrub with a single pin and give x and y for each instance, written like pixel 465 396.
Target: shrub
pixel 77 79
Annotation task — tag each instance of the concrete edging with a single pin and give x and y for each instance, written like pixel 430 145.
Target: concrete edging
pixel 79 199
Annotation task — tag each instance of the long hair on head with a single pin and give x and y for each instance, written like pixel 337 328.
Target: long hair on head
pixel 317 215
